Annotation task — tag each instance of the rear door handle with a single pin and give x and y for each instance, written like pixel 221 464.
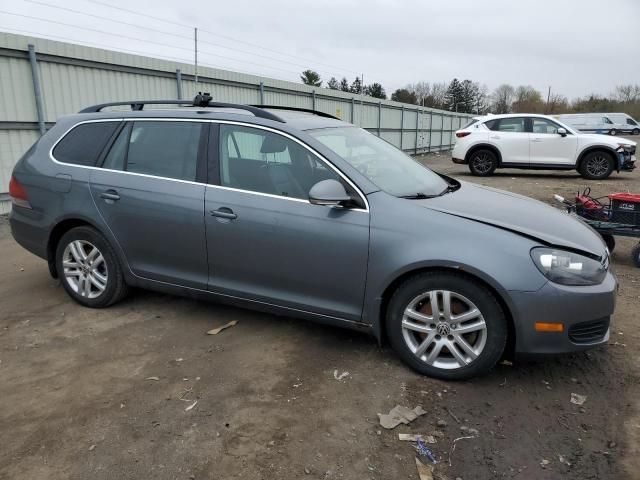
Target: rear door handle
pixel 536 139
pixel 224 212
pixel 110 195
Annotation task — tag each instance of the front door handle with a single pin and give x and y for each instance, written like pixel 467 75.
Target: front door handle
pixel 495 137
pixel 224 212
pixel 110 195
pixel 536 139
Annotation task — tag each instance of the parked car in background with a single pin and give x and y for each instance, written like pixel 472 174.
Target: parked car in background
pixel 624 119
pixel 298 213
pixel 539 142
pixel 594 123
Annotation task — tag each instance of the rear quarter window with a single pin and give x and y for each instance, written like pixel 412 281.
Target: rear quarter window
pixel 83 144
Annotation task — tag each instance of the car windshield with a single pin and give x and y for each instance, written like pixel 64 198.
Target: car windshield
pixel 383 164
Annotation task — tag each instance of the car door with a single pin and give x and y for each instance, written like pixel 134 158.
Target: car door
pixel 511 138
pixel 266 242
pixel 148 194
pixel 548 147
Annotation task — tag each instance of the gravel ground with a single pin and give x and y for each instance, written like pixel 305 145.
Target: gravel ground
pixel 103 394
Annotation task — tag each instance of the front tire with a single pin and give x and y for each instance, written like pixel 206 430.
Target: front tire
pixel 446 325
pixel 597 165
pixel 483 163
pixel 635 255
pixel 89 269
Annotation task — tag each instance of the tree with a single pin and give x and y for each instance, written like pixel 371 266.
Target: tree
pixel 356 86
pixel 528 100
pixel 405 96
pixel 454 96
pixel 375 90
pixel 333 84
pixel 627 93
pixel 557 104
pixel 309 77
pixel 502 98
pixel 344 84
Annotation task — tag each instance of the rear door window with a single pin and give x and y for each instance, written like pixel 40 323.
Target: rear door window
pixel 513 125
pixel 162 149
pixel 83 144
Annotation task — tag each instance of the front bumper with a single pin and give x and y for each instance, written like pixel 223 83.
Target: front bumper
pixel 584 312
pixel 461 161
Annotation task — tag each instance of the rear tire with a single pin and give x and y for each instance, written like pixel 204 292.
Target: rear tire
pixel 635 131
pixel 613 132
pixel 440 342
pixel 635 255
pixel 89 269
pixel 483 163
pixel 597 165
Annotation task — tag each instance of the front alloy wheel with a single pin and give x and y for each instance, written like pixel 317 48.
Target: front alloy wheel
pixel 597 165
pixel 444 329
pixel 446 325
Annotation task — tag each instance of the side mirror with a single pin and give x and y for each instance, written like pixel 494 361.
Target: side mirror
pixel 329 192
pixel 562 132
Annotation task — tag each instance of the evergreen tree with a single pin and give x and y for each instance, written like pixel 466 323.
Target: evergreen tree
pixel 333 84
pixel 344 85
pixel 310 77
pixel 375 90
pixel 356 86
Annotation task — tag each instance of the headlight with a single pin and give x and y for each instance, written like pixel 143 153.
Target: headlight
pixel 568 268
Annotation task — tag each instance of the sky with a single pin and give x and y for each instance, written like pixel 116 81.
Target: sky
pixel 576 47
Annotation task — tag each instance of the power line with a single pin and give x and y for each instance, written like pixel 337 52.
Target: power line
pixel 200 41
pixel 135 52
pixel 235 40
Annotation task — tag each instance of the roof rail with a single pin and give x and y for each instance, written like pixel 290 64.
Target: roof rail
pixel 138 105
pixel 296 109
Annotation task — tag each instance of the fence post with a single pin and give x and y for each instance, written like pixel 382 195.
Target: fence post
pixel 36 89
pixel 179 83
pixel 417 119
pixel 430 130
pixel 353 104
pixel 313 96
pixel 261 93
pixel 441 131
pixel 379 117
pixel 401 127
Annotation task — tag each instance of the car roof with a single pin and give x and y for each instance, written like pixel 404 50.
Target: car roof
pixel 300 120
pixel 513 115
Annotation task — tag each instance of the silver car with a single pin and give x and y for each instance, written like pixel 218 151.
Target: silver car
pixel 298 213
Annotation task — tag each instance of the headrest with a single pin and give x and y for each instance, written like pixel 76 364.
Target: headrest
pixel 273 144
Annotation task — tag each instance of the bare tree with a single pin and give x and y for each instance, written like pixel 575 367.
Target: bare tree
pixel 627 93
pixel 502 98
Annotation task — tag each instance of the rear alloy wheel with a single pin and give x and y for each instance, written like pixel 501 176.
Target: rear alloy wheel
pixel 597 165
pixel 613 132
pixel 89 269
pixel 483 163
pixel 635 131
pixel 446 325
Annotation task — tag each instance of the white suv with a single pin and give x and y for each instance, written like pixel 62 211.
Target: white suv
pixel 539 142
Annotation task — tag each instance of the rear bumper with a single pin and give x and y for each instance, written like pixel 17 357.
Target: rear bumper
pixel 583 311
pixel 27 230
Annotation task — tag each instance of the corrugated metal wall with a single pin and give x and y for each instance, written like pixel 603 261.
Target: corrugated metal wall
pixel 74 76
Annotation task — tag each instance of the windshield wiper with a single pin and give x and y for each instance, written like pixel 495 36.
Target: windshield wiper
pixel 418 196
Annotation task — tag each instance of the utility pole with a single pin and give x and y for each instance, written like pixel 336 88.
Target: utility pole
pixel 548 99
pixel 361 98
pixel 195 38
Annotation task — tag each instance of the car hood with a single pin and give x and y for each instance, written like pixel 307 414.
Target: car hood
pixel 613 142
pixel 518 214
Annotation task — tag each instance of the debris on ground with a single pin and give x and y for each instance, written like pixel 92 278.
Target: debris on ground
pixel 578 399
pixel 544 463
pixel 92 448
pixel 453 445
pixel 441 424
pixel 216 331
pixel 411 437
pixel 191 406
pixel 452 415
pixel 506 363
pixel 153 378
pixel 424 451
pixel 424 472
pixel 564 460
pixel 398 415
pixel 469 430
pixel 340 376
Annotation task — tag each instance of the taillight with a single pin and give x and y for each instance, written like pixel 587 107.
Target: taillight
pixel 462 134
pixel 18 194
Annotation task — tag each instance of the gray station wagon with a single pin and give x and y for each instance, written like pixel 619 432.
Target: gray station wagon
pixel 295 212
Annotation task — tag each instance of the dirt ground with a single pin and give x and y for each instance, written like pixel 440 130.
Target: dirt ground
pixel 78 399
